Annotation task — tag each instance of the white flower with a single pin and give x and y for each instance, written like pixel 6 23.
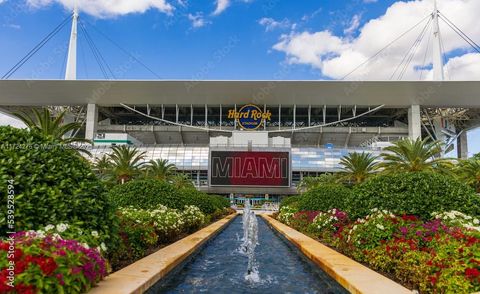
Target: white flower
pixel 95 234
pixel 62 228
pixel 476 221
pixel 381 227
pixel 49 228
pixel 40 234
pixel 85 245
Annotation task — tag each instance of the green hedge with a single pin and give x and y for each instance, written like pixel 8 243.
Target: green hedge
pixel 414 193
pixel 292 201
pixel 52 183
pixel 326 197
pixel 220 201
pixel 148 193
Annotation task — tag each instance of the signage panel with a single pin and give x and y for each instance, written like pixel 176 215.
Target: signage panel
pixel 250 168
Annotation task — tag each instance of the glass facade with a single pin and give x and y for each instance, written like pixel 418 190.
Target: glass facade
pixel 196 158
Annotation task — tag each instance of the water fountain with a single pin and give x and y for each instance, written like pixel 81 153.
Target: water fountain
pixel 231 265
pixel 250 241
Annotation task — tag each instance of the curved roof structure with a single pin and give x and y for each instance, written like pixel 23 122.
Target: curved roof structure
pixel 366 93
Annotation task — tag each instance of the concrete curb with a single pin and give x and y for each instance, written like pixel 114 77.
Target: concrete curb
pixel 352 275
pixel 143 274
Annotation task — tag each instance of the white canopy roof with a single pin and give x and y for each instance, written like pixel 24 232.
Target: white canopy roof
pixel 362 93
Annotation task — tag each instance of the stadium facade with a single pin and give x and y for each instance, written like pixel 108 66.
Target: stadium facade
pixel 255 137
pixel 314 122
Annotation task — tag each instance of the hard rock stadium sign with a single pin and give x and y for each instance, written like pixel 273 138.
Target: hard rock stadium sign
pixel 250 117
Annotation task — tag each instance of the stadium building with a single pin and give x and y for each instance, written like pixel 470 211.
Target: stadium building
pixel 255 137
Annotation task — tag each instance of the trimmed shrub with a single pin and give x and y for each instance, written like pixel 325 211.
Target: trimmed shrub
pixel 145 194
pixel 148 193
pixel 325 198
pixel 205 202
pixel 291 201
pixel 419 194
pixel 52 184
pixel 221 201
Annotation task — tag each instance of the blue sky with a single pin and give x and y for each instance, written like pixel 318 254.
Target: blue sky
pixel 237 39
pixel 171 45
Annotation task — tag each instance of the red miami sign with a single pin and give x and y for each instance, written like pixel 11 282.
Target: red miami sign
pixel 245 168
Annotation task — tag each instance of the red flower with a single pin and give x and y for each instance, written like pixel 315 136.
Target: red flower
pixel 433 280
pixel 47 265
pixel 25 289
pixel 409 217
pixel 471 241
pixel 20 266
pixel 472 273
pixel 4 246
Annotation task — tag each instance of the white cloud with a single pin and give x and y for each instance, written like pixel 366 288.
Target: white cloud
pixel 271 24
pixel 197 20
pixel 466 67
pixel 335 56
pixel 2 1
pixel 13 26
pixel 354 24
pixel 108 8
pixel 222 5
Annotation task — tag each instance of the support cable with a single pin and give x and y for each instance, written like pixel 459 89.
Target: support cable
pixel 95 53
pixel 409 60
pixel 426 53
pixel 84 59
pixel 384 48
pixel 35 49
pixel 457 30
pixel 125 51
pixel 411 51
pixel 99 54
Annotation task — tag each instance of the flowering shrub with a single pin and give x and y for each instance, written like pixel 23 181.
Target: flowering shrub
pixel 49 264
pixel 437 256
pixel 327 225
pixel 458 219
pixel 368 232
pixel 166 222
pixel 331 220
pixel 286 214
pixel 72 232
pixel 193 218
pixel 302 219
pixel 142 229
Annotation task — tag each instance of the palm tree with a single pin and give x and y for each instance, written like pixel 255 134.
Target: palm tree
pixel 103 167
pixel 415 155
pixel 181 181
pixel 127 162
pixel 160 169
pixel 52 126
pixel 469 171
pixel 358 166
